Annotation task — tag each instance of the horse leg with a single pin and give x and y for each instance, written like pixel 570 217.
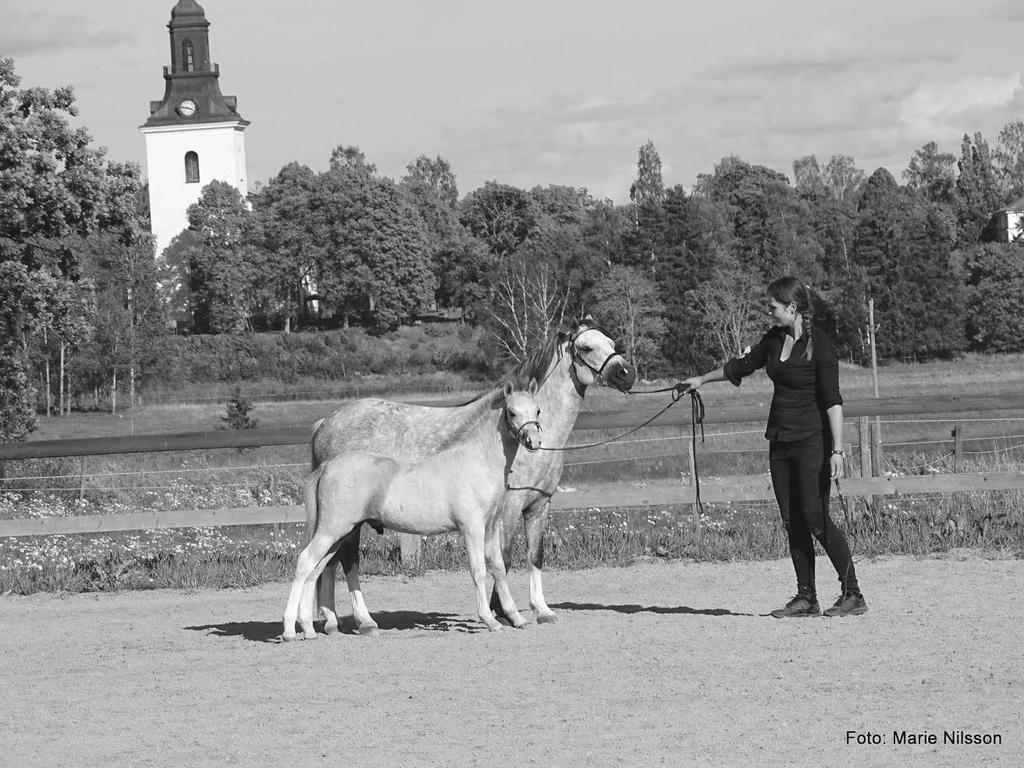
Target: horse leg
pixel 324 588
pixel 496 565
pixel 504 543
pixel 535 521
pixel 310 562
pixel 320 597
pixel 473 534
pixel 349 555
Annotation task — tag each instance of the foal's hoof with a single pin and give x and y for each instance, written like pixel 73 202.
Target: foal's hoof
pixel 369 631
pixel 330 629
pixel 547 618
pixel 287 638
pixel 309 635
pixel 495 627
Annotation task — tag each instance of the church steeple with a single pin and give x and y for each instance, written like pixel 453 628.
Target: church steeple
pixel 194 134
pixel 191 84
pixel 190 38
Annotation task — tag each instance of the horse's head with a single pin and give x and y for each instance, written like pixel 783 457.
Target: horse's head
pixel 595 360
pixel 522 414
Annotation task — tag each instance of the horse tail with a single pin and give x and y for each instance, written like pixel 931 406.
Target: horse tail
pixel 313 463
pixel 312 507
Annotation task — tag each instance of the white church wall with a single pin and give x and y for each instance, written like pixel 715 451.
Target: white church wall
pixel 221 151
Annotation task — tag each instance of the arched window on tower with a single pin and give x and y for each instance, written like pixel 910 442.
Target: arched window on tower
pixel 191 168
pixel 188 58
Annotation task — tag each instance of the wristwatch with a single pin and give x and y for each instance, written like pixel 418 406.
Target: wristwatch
pixel 837 453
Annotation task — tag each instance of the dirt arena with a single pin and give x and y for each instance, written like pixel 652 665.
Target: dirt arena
pixel 656 664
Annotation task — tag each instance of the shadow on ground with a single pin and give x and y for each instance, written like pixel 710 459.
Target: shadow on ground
pixel 662 609
pixel 270 631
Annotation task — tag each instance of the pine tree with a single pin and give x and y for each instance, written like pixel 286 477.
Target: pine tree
pixel 978 190
pixel 239 412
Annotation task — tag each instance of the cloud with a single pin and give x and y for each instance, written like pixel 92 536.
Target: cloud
pixel 1008 10
pixel 932 107
pixel 820 60
pixel 30 34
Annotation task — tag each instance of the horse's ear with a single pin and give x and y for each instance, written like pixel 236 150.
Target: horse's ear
pixel 507 389
pixel 534 386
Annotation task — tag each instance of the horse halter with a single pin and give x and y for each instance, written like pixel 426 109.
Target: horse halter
pixel 517 432
pixel 578 357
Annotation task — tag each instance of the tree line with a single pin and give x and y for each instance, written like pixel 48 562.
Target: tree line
pixel 677 274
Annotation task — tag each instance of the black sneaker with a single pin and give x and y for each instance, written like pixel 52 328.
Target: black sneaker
pixel 848 605
pixel 798 607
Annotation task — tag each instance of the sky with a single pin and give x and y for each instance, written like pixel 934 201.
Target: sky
pixel 540 92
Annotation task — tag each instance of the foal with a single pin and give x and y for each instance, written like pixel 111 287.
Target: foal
pixel 458 488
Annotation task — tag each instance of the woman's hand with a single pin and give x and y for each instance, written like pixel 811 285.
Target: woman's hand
pixel 692 383
pixel 836 462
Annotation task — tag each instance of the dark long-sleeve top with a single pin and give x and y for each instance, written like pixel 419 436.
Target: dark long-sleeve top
pixel 804 389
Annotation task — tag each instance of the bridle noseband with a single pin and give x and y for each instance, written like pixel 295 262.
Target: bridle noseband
pixel 577 356
pixel 517 432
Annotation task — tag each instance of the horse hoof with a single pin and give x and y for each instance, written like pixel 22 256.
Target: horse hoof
pixel 309 635
pixel 287 638
pixel 495 627
pixel 369 631
pixel 330 629
pixel 521 624
pixel 547 618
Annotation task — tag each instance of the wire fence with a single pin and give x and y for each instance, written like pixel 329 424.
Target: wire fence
pixel 722 453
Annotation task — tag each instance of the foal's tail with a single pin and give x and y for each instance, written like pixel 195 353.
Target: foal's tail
pixel 312 444
pixel 312 482
pixel 312 508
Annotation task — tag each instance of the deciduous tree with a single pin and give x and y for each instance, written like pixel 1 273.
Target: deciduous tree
pixel 626 301
pixel 226 276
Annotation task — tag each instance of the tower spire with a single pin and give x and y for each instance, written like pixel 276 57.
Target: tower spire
pixel 191 83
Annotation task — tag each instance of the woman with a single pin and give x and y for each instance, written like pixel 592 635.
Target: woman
pixel 805 430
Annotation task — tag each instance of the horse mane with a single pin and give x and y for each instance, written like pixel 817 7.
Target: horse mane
pixel 533 366
pixel 536 364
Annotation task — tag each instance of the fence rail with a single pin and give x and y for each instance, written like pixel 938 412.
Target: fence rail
pixel 622 418
pixel 731 489
pixel 652 493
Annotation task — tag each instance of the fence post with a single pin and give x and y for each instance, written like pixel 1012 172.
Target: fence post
pixel 81 479
pixel 876 458
pixel 410 544
pixel 864 446
pixel 847 499
pixel 692 463
pixel 864 437
pixel 958 447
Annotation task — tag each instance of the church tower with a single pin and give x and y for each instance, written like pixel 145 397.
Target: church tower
pixel 194 135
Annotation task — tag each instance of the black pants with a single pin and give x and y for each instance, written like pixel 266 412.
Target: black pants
pixel 801 479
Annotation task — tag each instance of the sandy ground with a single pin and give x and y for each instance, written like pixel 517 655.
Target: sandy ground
pixel 656 664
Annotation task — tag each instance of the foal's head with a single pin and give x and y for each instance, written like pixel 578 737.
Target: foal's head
pixel 522 414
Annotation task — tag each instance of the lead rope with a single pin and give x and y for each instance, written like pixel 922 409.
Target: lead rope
pixel 848 532
pixel 696 420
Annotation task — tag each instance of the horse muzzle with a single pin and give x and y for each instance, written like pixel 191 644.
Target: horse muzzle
pixel 620 375
pixel 529 436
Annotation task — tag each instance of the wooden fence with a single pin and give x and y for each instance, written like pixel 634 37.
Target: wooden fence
pixel 653 493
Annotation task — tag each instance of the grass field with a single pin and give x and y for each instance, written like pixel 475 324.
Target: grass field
pixel 263 476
